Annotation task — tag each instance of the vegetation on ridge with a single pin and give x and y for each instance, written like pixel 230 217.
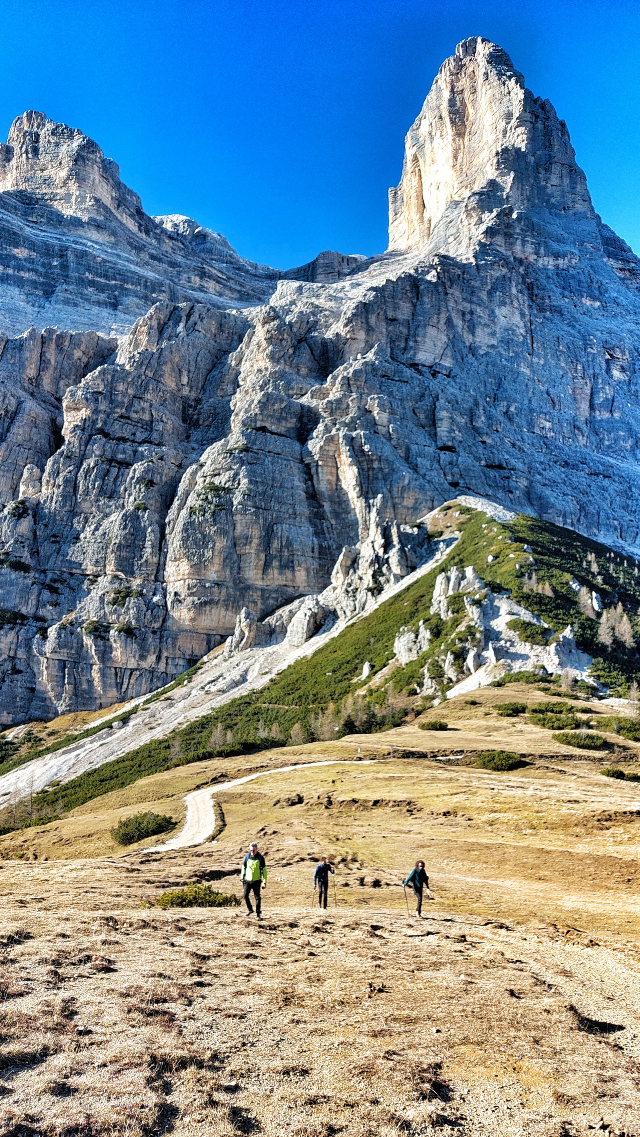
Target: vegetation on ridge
pixel 561 577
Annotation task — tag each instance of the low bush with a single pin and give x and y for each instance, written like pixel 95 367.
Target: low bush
pixel 510 710
pixel 548 708
pixel 434 724
pixel 141 825
pixel 529 633
pixel 197 896
pixel 582 741
pixel 530 677
pixel 498 760
pixel 125 629
pixel 554 722
pixel 613 772
pixel 629 728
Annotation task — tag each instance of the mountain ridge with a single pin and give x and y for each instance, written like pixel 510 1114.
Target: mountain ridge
pixel 246 455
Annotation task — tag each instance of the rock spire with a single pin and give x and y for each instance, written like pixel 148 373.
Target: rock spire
pixel 481 143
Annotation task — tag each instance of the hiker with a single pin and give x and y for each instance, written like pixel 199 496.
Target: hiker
pixel 321 878
pixel 418 878
pixel 253 874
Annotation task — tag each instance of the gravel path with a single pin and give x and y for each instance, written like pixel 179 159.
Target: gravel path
pixel 200 822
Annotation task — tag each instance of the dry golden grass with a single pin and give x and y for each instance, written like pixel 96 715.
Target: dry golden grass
pixel 71 723
pixel 355 1021
pixel 512 1008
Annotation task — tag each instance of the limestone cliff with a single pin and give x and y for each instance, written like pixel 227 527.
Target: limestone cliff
pixel 78 250
pixel 227 455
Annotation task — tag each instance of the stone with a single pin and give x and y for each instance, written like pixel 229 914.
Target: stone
pixel 200 435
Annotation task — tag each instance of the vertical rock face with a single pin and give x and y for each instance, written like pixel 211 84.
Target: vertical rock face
pixel 482 143
pixel 180 484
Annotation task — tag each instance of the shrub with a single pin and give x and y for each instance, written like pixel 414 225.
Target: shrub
pixel 555 716
pixel 529 633
pixel 141 825
pixel 629 729
pixel 472 702
pixel 434 724
pixel 141 506
pixel 17 508
pixel 95 628
pixel 518 677
pixel 9 619
pixel 498 760
pixel 582 741
pixel 125 629
pixel 559 708
pixel 613 772
pixel 118 598
pixel 510 710
pixel 197 896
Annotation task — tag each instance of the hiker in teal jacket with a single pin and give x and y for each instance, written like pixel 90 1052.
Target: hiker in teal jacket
pixel 418 879
pixel 253 875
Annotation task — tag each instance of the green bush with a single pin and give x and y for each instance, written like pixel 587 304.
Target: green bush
pixel 498 760
pixel 434 724
pixel 555 716
pixel 510 710
pixel 141 825
pixel 125 629
pixel 197 896
pixel 529 633
pixel 559 708
pixel 519 677
pixel 118 598
pixel 613 772
pixel 141 506
pixel 629 729
pixel 582 741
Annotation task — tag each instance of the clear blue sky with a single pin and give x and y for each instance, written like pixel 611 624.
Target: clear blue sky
pixel 281 123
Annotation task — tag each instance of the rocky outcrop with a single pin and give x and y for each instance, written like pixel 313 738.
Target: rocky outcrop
pixel 223 459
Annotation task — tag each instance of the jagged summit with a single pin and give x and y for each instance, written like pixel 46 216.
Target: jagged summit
pixel 77 249
pixel 69 170
pixel 482 143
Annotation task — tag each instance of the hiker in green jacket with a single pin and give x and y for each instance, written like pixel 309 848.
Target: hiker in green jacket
pixel 253 874
pixel 418 878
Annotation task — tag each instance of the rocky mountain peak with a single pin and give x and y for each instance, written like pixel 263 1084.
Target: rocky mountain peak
pixel 482 144
pixel 62 165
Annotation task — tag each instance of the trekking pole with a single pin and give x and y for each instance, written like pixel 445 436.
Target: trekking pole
pixel 405 898
pixel 335 899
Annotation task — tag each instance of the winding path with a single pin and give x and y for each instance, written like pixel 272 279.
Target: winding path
pixel 200 821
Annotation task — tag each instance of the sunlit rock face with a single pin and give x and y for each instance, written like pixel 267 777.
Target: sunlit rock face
pixel 482 143
pixel 222 457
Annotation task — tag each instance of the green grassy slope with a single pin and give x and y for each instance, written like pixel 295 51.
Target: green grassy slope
pixel 323 696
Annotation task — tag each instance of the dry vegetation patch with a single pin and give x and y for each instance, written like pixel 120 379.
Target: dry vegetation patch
pixel 359 1023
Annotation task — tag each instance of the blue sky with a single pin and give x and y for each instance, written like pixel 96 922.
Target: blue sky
pixel 281 123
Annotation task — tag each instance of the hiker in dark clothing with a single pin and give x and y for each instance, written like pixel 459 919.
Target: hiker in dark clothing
pixel 253 875
pixel 418 879
pixel 321 879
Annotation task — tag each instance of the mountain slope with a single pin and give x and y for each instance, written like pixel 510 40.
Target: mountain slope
pixel 497 597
